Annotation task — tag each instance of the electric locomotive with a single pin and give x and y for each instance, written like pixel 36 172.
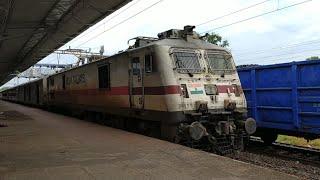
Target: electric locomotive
pixel 179 85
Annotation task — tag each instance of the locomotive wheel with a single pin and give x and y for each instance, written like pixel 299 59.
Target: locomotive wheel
pixel 269 138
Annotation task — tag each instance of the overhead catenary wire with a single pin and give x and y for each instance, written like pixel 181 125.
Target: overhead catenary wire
pixel 234 12
pixel 86 33
pixel 287 48
pixel 278 60
pixel 253 17
pixel 278 47
pixel 266 58
pixel 121 22
pixel 199 24
pixel 286 53
pixel 108 20
pixel 220 17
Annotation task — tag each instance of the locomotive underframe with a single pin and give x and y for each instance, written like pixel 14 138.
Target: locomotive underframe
pixel 170 126
pixel 221 132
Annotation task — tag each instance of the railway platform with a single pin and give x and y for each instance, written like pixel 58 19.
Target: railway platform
pixel 36 144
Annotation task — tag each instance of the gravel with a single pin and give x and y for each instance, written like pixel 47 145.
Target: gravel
pixel 266 157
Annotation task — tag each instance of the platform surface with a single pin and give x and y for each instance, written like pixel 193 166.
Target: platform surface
pixel 41 145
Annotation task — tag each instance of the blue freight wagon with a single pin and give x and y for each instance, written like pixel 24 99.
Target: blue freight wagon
pixel 284 98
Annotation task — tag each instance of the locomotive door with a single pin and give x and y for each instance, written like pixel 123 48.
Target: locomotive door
pixel 136 84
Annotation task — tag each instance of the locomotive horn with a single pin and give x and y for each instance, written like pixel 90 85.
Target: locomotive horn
pixel 189 29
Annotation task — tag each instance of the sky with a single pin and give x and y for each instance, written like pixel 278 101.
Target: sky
pixel 291 34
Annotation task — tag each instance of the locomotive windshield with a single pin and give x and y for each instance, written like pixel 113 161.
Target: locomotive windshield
pixel 219 62
pixel 187 62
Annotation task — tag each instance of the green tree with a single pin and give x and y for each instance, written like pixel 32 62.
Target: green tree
pixel 313 58
pixel 216 39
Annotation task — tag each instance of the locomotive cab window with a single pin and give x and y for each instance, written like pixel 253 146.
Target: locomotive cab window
pixel 104 77
pixel 219 62
pixel 148 63
pixel 187 62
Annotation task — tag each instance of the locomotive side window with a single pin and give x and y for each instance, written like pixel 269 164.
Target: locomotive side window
pixel 148 63
pixel 104 77
pixel 135 66
pixel 187 62
pixel 63 81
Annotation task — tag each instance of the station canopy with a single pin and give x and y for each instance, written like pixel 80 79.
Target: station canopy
pixel 31 30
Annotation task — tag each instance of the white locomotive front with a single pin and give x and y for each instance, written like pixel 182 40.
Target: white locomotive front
pixel 211 108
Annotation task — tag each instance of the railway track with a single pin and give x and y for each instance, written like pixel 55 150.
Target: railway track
pixel 300 161
pixel 299 154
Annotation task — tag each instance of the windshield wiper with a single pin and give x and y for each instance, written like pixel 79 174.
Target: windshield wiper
pixel 184 67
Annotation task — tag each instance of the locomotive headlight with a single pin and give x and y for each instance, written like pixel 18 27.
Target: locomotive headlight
pixel 211 89
pixel 197 130
pixel 250 126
